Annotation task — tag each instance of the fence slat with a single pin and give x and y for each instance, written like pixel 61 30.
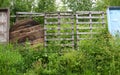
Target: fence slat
pixel 61 39
pixel 92 17
pixel 91 22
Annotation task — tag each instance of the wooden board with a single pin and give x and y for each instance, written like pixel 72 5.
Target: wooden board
pixel 4 25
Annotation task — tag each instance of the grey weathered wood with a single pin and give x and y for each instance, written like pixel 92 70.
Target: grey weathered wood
pixel 59 34
pixel 51 17
pixel 59 23
pixel 92 17
pixel 87 33
pixel 59 16
pixel 87 12
pixel 91 22
pixel 58 28
pixel 103 19
pixel 63 45
pixel 22 16
pixel 4 25
pixel 85 28
pixel 45 37
pixel 54 39
pixel 87 18
pixel 51 23
pixel 29 13
pixel 84 16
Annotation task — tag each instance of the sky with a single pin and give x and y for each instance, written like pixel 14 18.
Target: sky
pixel 58 2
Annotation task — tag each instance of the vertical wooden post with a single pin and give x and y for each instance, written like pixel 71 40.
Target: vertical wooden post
pixel 90 15
pixel 103 17
pixel 72 18
pixel 59 25
pixel 45 34
pixel 8 24
pixel 17 16
pixel 77 31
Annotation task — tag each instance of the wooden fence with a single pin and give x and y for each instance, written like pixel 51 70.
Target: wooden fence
pixel 67 29
pixel 88 23
pixel 62 23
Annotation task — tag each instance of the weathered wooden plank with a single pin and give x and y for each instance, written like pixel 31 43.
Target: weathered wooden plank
pixel 88 12
pixel 29 13
pixel 59 39
pixel 87 33
pixel 59 19
pixel 85 28
pixel 51 17
pixel 22 16
pixel 67 16
pixel 4 25
pixel 58 34
pixel 51 23
pixel 58 28
pixel 90 22
pixel 51 14
pixel 66 22
pixel 87 17
pixel 62 45
pixel 59 22
pixel 45 37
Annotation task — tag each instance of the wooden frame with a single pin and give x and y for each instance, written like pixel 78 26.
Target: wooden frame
pixel 89 16
pixel 59 16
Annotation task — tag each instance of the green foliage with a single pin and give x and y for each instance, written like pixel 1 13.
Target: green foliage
pixel 78 5
pixel 21 5
pixel 4 3
pixel 104 4
pixel 10 59
pixel 100 56
pixel 45 6
pixel 103 53
pixel 29 5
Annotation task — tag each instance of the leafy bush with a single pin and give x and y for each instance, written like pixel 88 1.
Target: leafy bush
pixel 100 56
pixel 9 60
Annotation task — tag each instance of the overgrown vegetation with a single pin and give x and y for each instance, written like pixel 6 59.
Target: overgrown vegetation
pixel 100 56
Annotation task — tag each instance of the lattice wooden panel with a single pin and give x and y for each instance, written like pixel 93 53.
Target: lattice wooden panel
pixel 88 23
pixel 59 29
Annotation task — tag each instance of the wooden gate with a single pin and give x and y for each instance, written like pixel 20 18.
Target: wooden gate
pixel 88 23
pixel 62 26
